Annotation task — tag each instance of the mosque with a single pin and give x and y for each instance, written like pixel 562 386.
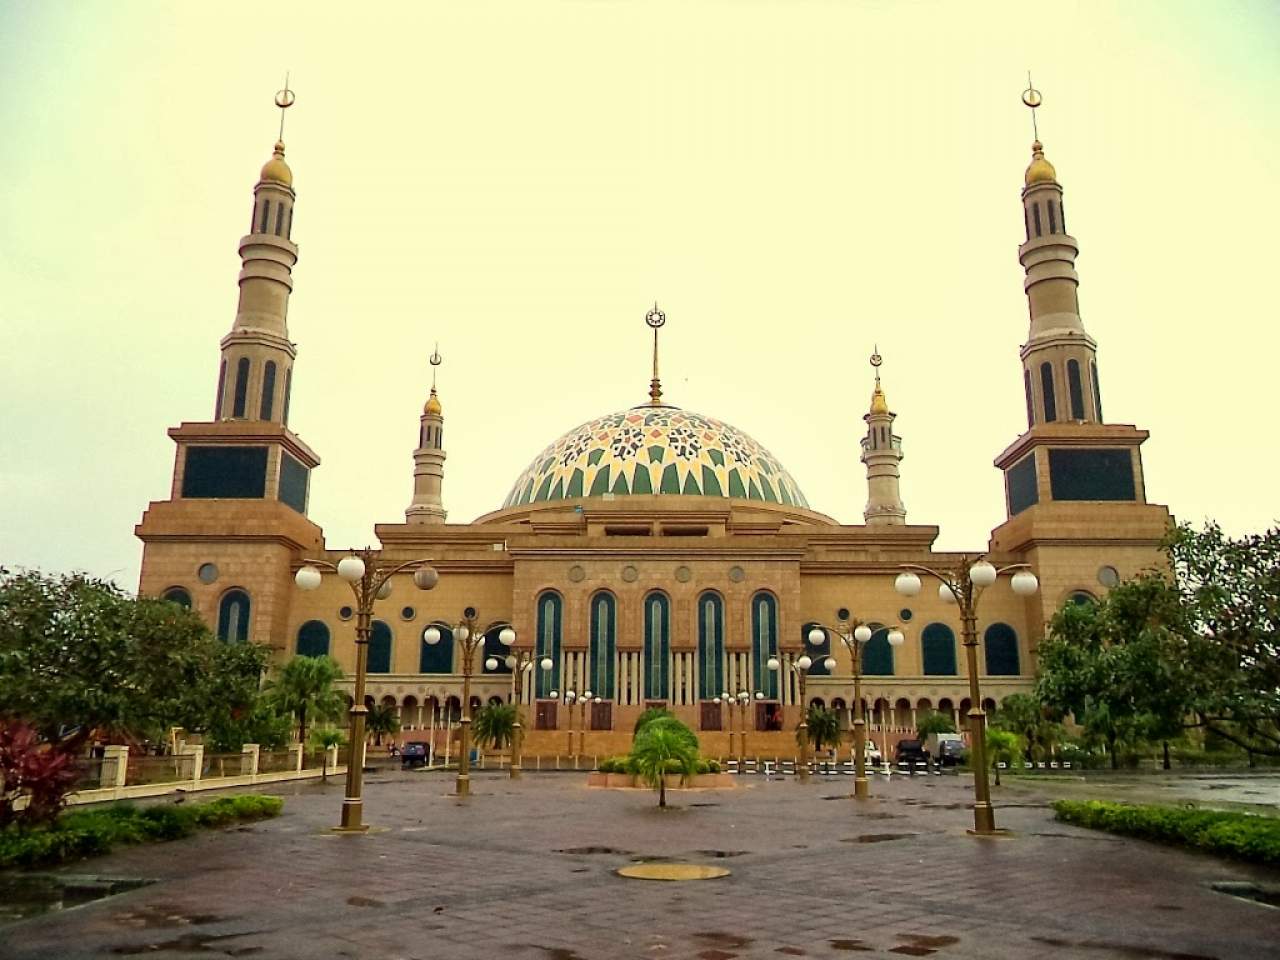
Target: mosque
pixel 652 555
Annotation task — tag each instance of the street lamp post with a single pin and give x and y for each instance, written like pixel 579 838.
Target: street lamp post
pixel 963 585
pixel 368 582
pixel 729 700
pixel 854 634
pixel 467 633
pixel 800 667
pixel 572 698
pixel 520 662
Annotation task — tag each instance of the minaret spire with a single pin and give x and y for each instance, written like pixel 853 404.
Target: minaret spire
pixel 428 460
pixel 655 318
pixel 882 453
pixel 1060 371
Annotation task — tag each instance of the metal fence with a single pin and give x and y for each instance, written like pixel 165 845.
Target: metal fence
pixel 145 769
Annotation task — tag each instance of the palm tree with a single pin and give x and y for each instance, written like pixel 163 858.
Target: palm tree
pixel 323 739
pixel 304 689
pixel 381 720
pixel 823 726
pixel 1002 745
pixel 495 725
pixel 662 748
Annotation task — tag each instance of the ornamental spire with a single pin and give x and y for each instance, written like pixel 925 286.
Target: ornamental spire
pixel 655 318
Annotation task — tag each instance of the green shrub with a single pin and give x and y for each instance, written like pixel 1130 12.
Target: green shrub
pixel 1239 835
pixel 613 765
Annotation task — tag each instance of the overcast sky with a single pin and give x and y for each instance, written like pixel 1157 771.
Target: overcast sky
pixel 792 181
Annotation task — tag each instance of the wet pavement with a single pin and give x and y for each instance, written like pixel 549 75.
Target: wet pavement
pixel 527 869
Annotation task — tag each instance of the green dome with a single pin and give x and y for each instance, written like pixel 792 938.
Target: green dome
pixel 655 449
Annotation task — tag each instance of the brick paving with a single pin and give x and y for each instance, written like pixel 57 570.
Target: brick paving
pixel 814 875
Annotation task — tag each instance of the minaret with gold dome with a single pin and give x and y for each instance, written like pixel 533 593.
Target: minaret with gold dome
pixel 428 460
pixel 882 452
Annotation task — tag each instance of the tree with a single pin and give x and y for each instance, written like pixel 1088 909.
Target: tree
pixel 381 721
pixel 650 714
pixel 822 726
pixel 304 687
pixel 262 723
pixel 323 738
pixel 495 725
pixel 1025 717
pixel 78 657
pixel 661 748
pixel 1002 747
pixel 934 722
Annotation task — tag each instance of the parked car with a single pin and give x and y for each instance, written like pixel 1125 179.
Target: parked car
pixel 416 753
pixel 946 749
pixel 910 752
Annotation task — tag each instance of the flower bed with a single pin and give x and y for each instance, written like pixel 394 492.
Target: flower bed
pixel 1239 835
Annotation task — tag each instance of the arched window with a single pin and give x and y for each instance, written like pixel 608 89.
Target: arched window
pixel 268 390
pixel 877 655
pixel 710 646
pixel 266 216
pixel 1046 390
pixel 1082 598
pixel 242 387
pixel 1075 390
pixel 1026 383
pixel 938 648
pixel 1035 213
pixel 764 643
pixel 493 648
pixel 222 385
pixel 1097 391
pixel 604 625
pixel 1001 644
pixel 657 647
pixel 818 653
pixel 379 660
pixel 1053 217
pixel 313 639
pixel 550 607
pixel 233 617
pixel 280 220
pixel 288 387
pixel 178 595
pixel 437 657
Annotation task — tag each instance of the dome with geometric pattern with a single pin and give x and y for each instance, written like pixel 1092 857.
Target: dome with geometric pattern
pixel 655 449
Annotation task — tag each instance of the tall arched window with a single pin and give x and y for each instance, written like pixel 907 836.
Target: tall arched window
pixel 288 387
pixel 938 650
pixel 379 660
pixel 548 640
pixel 877 655
pixel 313 639
pixel 1097 391
pixel 1046 391
pixel 242 387
pixel 436 657
pixel 1001 643
pixel 222 385
pixel 657 647
pixel 1026 384
pixel 268 390
pixel 1075 390
pixel 604 624
pixel 178 595
pixel 266 216
pixel 493 648
pixel 764 643
pixel 233 616
pixel 710 646
pixel 818 653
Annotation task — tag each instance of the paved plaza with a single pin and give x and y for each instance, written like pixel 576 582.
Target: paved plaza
pixel 526 869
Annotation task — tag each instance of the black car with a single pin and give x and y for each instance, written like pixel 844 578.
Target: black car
pixel 910 752
pixel 415 754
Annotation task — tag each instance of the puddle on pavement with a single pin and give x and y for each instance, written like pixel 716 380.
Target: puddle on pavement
pixel 590 851
pixel 1243 890
pixel 1129 950
pixel 191 943
pixel 850 945
pixel 725 941
pixel 162 916
pixel 921 945
pixel 721 854
pixel 31 894
pixel 876 837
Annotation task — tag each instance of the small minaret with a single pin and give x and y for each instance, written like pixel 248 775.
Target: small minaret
pixel 428 459
pixel 1059 363
pixel 882 452
pixel 256 373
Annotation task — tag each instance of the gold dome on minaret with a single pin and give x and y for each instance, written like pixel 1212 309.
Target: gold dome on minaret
pixel 878 403
pixel 276 169
pixel 1040 170
pixel 433 404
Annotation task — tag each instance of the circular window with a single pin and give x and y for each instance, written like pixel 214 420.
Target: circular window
pixel 577 574
pixel 904 614
pixel 408 613
pixel 684 574
pixel 737 574
pixel 1108 576
pixel 177 595
pixel 842 613
pixel 630 574
pixel 1082 599
pixel 207 573
pixel 344 613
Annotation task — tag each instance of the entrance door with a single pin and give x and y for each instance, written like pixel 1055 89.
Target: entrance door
pixel 602 715
pixel 544 715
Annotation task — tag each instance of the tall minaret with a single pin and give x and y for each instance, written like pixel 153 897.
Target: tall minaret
pixel 882 452
pixel 256 373
pixel 428 459
pixel 1059 364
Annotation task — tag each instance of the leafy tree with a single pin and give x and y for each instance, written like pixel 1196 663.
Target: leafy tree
pixel 1002 747
pixel 823 727
pixel 650 714
pixel 1023 715
pixel 661 748
pixel 78 657
pixel 261 723
pixel 672 723
pixel 381 721
pixel 934 722
pixel 304 687
pixel 495 724
pixel 322 738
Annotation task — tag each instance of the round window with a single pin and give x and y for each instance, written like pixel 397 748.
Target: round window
pixel 408 613
pixel 207 572
pixel 842 613
pixel 904 614
pixel 1108 576
pixel 344 613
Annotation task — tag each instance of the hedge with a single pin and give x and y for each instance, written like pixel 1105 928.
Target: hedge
pixel 624 764
pixel 88 833
pixel 1239 835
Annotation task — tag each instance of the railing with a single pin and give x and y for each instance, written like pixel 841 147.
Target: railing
pixel 142 770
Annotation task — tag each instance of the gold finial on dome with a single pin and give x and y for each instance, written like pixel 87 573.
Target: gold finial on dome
pixel 433 402
pixel 655 318
pixel 275 168
pixel 1040 170
pixel 878 403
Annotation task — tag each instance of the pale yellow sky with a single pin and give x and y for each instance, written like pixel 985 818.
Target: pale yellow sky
pixel 793 181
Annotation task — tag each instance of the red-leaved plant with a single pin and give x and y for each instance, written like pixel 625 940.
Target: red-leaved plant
pixel 35 770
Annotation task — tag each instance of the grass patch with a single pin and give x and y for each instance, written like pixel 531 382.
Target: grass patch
pixel 1241 836
pixel 89 833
